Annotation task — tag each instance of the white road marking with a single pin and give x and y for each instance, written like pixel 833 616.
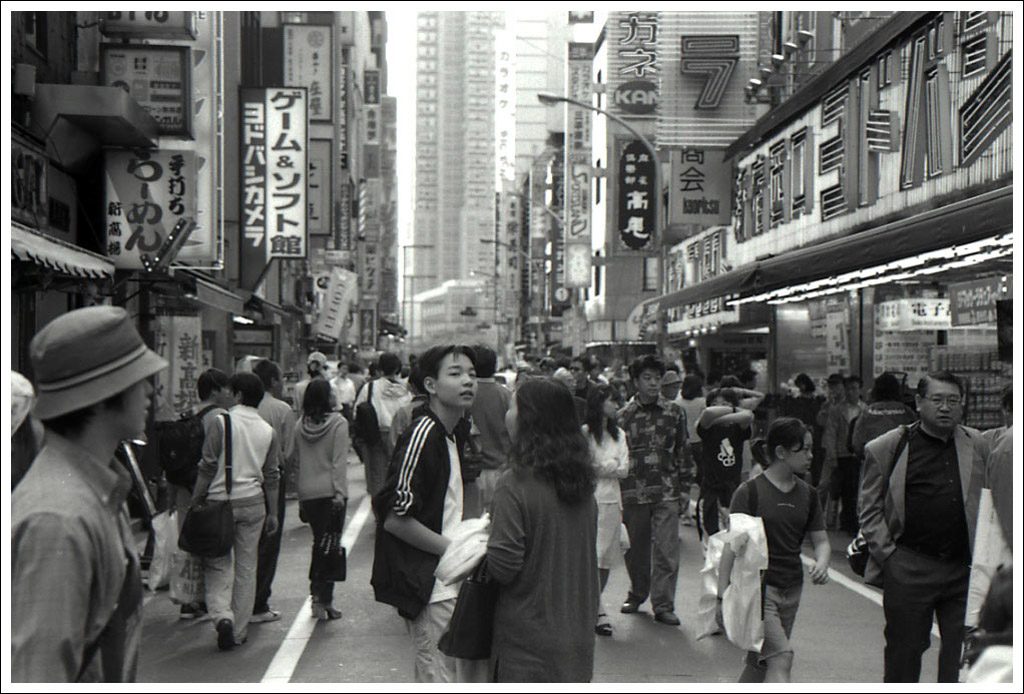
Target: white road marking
pixel 858 588
pixel 282 667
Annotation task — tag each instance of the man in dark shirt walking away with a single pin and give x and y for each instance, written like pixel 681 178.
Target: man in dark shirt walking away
pixel 658 454
pixel 919 508
pixel 488 412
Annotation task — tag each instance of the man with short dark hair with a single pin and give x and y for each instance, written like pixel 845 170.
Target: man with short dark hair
pixel 488 412
pixel 280 417
pixel 838 442
pixel 255 453
pixel 387 394
pixel 918 512
pixel 658 453
pixel 76 587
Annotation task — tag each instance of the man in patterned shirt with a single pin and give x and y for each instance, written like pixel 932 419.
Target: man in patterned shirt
pixel 658 460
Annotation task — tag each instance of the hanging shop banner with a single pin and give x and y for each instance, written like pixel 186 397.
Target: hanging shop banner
pixel 837 338
pixel 319 187
pixel 633 64
pixel 637 198
pixel 307 63
pixel 274 162
pixel 341 293
pixel 179 340
pixel 341 124
pixel 368 328
pixel 974 303
pixel 578 223
pixel 148 25
pixel 157 77
pixel 913 314
pixel 148 194
pixel 701 189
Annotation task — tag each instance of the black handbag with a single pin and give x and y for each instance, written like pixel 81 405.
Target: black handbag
pixel 209 527
pixel 471 628
pixel 330 562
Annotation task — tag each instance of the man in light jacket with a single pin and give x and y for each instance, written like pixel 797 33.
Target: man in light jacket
pixel 918 512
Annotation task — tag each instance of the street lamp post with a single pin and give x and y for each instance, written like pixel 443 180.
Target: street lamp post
pixel 553 99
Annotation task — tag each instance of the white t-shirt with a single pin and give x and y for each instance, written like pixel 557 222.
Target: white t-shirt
pixel 452 517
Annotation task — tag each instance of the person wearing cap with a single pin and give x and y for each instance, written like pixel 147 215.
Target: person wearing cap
pixel 76 588
pixel 671 383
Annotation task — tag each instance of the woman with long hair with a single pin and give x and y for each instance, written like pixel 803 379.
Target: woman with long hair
pixel 790 509
pixel 541 548
pixel 321 443
pixel 611 464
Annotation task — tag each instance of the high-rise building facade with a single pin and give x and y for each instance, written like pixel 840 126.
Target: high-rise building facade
pixel 455 147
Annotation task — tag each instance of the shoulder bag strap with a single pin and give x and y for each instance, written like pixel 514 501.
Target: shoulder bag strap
pixel 752 495
pixel 227 453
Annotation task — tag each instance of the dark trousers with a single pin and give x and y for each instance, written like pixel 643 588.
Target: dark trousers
pixel 318 513
pixel 917 587
pixel 849 487
pixel 270 548
pixel 714 495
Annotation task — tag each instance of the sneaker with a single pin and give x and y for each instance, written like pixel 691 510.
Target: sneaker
pixel 267 615
pixel 630 606
pixel 191 611
pixel 225 635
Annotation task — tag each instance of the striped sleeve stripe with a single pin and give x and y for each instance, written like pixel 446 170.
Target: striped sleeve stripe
pixel 403 490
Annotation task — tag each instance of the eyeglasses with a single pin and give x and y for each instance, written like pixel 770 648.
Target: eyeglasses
pixel 950 401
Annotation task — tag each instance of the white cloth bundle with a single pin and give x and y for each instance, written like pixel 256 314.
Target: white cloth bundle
pixel 467 549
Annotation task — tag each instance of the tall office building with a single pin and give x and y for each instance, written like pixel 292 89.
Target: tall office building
pixel 455 148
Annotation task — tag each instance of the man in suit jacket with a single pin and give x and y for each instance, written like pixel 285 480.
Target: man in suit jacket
pixel 918 512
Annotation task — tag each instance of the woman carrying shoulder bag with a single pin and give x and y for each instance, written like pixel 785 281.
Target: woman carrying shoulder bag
pixel 541 548
pixel 321 442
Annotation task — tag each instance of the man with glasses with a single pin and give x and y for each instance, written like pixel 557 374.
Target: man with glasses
pixel 918 512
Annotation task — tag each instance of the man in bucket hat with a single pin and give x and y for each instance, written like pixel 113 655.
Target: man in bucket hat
pixel 76 591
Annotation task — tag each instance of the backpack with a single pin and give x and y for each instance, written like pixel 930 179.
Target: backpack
pixel 180 447
pixel 365 426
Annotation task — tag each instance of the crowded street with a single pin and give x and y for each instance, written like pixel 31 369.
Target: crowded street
pixel 370 643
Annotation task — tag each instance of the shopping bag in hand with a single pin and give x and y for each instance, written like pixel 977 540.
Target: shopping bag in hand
pixel 329 559
pixel 165 542
pixel 187 584
pixel 472 625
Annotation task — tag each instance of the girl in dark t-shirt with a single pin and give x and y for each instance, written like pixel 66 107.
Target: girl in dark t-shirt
pixel 789 509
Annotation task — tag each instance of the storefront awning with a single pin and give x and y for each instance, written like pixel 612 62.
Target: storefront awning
pixel 209 293
pixel 109 114
pixel 57 255
pixel 974 219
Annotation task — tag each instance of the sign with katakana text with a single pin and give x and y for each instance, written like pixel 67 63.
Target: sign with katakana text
pixel 274 171
pixel 637 197
pixel 342 287
pixel 633 58
pixel 307 63
pixel 148 192
pixel 579 176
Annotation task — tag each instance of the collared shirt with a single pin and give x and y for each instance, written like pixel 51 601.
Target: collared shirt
pixel 72 562
pixel 936 522
pixel 656 437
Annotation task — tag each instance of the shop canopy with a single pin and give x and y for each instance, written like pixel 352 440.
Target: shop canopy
pixel 974 219
pixel 210 293
pixel 60 256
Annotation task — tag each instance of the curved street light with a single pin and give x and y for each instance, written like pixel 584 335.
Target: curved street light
pixel 554 99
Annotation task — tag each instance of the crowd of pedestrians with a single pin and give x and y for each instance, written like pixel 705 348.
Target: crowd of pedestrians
pixel 575 470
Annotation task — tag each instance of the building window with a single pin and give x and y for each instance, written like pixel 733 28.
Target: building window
pixel 651 279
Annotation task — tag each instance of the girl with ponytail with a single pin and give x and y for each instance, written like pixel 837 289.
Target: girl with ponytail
pixel 790 510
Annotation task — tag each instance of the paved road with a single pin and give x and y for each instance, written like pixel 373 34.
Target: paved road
pixel 837 638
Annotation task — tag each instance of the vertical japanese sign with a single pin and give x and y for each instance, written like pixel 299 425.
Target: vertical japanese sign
pixel 701 188
pixel 179 340
pixel 368 328
pixel 633 61
pixel 505 106
pixel 341 119
pixel 307 63
pixel 319 186
pixel 370 197
pixel 371 101
pixel 837 336
pixel 274 160
pixel 578 223
pixel 636 196
pixel 341 292
pixel 148 192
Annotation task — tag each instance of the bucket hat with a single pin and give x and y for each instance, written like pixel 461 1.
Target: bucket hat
pixel 317 357
pixel 671 378
pixel 86 356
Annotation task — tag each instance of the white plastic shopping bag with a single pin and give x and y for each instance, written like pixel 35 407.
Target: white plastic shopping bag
pixel 187 583
pixel 741 603
pixel 165 543
pixel 707 605
pixel 990 552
